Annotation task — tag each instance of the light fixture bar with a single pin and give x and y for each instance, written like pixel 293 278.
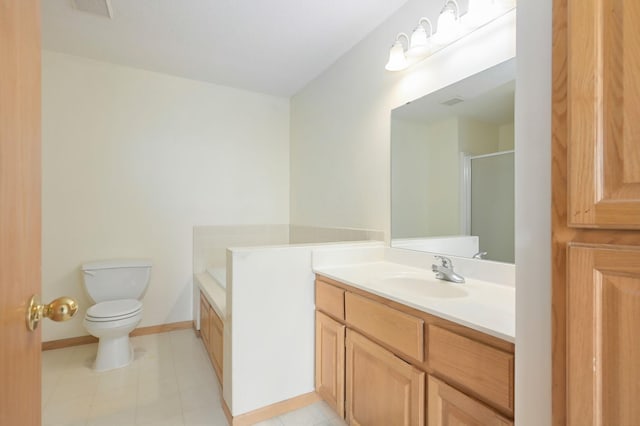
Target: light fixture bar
pixel 450 28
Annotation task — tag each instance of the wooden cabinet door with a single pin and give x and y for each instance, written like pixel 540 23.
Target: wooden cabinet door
pixel 204 321
pixel 603 346
pixel 330 361
pixel 382 389
pixel 448 406
pixel 216 330
pixel 603 123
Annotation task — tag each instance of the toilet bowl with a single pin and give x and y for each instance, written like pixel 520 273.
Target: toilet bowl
pixel 116 286
pixel 111 322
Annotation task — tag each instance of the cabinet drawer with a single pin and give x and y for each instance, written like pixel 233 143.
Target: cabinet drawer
pixel 330 299
pixel 401 331
pixel 448 406
pixel 481 369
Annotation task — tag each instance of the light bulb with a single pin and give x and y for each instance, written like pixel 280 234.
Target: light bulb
pixel 420 40
pixel 397 59
pixel 448 28
pixel 479 12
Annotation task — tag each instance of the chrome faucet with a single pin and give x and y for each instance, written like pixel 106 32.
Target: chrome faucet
pixel 445 270
pixel 480 255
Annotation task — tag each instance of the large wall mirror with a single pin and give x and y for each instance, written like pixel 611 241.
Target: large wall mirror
pixel 452 168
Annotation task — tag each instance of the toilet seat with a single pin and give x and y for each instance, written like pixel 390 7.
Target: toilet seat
pixel 114 310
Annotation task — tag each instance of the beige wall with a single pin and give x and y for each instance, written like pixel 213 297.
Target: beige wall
pixel 426 171
pixel 478 137
pixel 409 195
pixel 507 137
pixel 132 160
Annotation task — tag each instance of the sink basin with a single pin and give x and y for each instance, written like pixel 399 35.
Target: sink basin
pixel 414 286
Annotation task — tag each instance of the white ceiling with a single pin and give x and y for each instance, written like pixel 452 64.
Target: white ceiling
pixel 270 46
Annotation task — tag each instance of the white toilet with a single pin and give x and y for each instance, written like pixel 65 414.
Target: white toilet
pixel 117 287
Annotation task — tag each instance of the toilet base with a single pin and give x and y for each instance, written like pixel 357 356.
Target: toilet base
pixel 114 348
pixel 114 352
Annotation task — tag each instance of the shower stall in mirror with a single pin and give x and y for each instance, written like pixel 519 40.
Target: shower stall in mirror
pixel 488 203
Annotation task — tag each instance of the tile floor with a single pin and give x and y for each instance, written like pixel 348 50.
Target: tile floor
pixel 171 382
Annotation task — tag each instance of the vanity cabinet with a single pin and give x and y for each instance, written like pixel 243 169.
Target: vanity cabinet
pixel 211 331
pixel 394 356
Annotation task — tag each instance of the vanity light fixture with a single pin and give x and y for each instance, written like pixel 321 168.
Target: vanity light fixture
pixel 451 26
pixel 448 26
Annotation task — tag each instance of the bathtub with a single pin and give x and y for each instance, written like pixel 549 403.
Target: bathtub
pixel 213 283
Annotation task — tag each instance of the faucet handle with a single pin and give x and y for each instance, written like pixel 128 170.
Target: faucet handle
pixel 446 262
pixel 480 255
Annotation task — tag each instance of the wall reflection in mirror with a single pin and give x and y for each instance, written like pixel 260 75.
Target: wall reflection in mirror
pixel 452 168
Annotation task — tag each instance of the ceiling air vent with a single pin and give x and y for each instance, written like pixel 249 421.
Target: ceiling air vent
pixel 453 101
pixel 95 7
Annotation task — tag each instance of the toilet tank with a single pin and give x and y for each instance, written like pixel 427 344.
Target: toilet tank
pixel 116 279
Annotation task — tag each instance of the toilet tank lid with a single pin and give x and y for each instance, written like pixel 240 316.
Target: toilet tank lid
pixel 117 263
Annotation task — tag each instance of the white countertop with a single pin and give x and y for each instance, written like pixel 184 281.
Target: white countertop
pixel 487 307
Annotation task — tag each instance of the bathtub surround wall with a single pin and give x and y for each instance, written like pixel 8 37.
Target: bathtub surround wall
pixel 316 234
pixel 210 243
pixel 340 125
pixel 133 159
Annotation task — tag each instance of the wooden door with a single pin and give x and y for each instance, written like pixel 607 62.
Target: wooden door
pixel 603 113
pixel 382 389
pixel 330 361
pixel 603 374
pixel 19 209
pixel 448 407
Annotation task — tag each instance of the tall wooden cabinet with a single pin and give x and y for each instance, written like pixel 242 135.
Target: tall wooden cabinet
pixel 603 375
pixel 596 212
pixel 603 60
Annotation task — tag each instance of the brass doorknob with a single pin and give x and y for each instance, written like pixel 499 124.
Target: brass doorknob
pixel 61 309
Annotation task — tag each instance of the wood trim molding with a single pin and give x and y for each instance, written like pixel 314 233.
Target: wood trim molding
pixel 162 328
pixel 560 232
pixel 270 411
pixel 66 343
pixel 142 331
pixel 227 412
